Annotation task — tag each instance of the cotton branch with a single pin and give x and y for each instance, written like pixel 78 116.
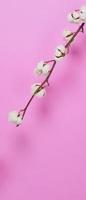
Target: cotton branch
pixel 46 68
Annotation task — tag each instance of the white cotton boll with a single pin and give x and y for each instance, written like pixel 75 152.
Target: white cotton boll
pixel 60 52
pixel 70 18
pixel 83 17
pixel 67 34
pixel 40 64
pixel 42 91
pixel 42 68
pixel 38 71
pixel 58 59
pixel 46 69
pixel 14 118
pixel 83 9
pixel 76 14
pixel 61 48
pixel 34 87
pixel 74 17
pixel 83 13
pixel 58 55
pixel 39 67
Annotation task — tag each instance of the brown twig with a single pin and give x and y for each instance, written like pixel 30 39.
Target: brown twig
pixel 23 111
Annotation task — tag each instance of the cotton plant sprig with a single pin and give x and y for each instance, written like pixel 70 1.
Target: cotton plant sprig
pixel 45 68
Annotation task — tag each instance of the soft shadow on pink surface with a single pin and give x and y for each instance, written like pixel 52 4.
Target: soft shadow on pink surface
pixel 5 173
pixel 21 143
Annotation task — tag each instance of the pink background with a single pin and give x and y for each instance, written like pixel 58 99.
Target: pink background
pixel 45 158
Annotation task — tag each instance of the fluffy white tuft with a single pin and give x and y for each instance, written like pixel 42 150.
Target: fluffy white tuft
pixel 40 93
pixel 14 118
pixel 60 52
